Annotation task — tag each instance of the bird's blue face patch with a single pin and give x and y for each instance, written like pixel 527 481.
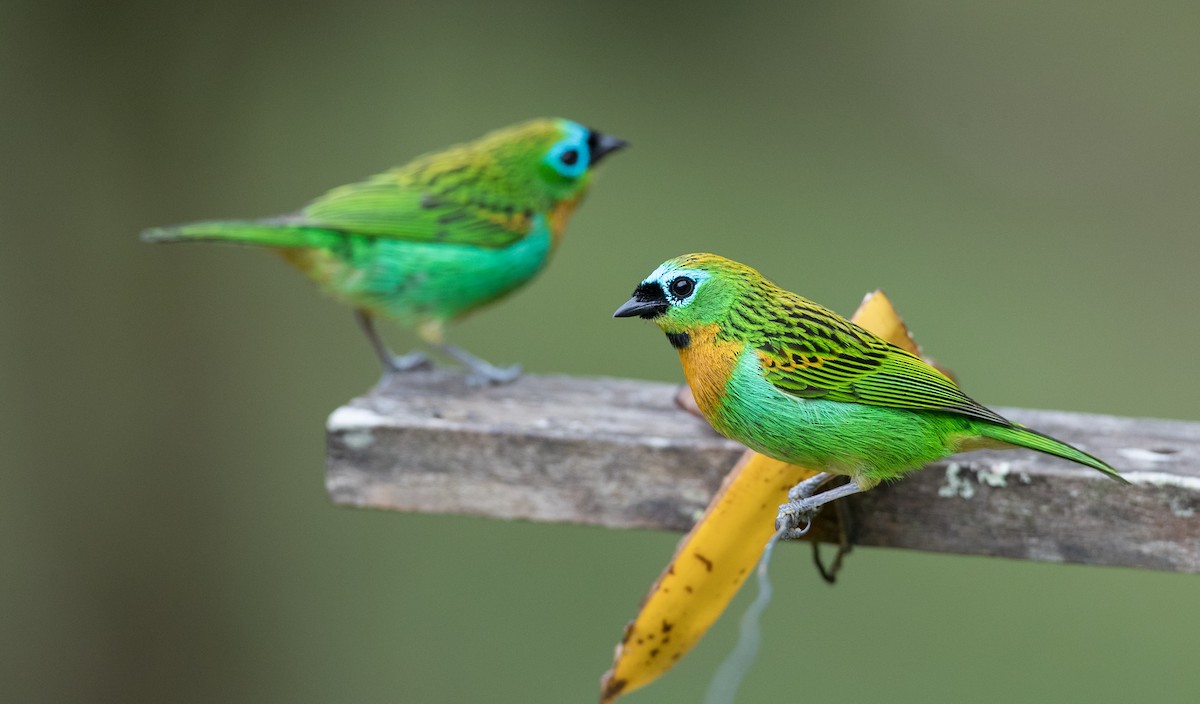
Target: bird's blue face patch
pixel 570 156
pixel 678 285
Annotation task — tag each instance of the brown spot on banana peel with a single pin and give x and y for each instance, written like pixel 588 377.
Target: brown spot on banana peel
pixel 610 689
pixel 728 540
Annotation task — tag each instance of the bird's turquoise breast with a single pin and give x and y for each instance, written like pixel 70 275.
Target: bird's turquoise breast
pixel 846 438
pixel 413 281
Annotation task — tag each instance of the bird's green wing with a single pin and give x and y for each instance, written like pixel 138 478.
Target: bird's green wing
pixel 810 352
pixel 395 206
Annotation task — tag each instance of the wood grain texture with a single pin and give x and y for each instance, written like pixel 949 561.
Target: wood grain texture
pixel 620 453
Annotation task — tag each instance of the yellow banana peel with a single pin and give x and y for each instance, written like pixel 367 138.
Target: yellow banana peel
pixel 721 550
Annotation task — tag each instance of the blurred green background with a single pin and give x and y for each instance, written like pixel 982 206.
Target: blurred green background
pixel 1022 178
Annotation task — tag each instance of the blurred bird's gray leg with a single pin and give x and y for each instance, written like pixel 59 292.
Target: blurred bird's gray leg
pixel 482 372
pixel 795 512
pixel 391 363
pixel 408 362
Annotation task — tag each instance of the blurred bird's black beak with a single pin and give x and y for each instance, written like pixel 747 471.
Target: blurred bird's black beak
pixel 648 301
pixel 601 145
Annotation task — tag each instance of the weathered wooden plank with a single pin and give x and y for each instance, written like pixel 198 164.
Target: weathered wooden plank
pixel 619 453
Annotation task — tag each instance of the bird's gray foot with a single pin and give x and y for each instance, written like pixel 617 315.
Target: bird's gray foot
pixel 795 517
pixel 407 362
pixel 488 374
pixel 482 372
pixel 392 363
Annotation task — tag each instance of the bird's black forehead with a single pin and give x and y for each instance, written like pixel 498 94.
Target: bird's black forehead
pixel 648 291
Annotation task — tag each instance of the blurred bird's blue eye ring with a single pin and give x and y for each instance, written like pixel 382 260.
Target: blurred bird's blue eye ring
pixel 569 157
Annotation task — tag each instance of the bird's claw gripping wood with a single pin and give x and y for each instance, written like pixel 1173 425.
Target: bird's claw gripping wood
pixel 482 376
pixel 482 372
pixel 795 523
pixel 804 509
pixel 410 362
pixel 804 503
pixel 392 363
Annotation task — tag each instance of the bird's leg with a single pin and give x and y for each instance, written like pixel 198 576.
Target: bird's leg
pixel 809 486
pixel 391 362
pixel 482 372
pixel 846 531
pixel 796 511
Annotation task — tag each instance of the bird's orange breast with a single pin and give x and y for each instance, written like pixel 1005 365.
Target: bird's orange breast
pixel 708 364
pixel 560 214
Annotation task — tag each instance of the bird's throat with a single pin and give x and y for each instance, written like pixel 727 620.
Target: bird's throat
pixel 560 214
pixel 708 363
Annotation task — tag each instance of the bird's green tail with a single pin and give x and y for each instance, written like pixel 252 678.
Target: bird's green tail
pixel 263 233
pixel 1017 435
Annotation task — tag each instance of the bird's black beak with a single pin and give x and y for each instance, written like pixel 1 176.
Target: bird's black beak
pixel 601 145
pixel 648 301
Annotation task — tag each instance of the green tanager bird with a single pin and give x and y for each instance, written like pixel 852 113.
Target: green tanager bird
pixel 431 241
pixel 797 382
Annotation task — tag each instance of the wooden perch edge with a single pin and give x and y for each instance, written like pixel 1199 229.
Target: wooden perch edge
pixel 619 453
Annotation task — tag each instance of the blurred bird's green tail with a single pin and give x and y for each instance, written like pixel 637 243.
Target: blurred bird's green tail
pixel 263 233
pixel 1024 437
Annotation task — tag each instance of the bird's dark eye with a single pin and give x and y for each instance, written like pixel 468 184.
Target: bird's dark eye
pixel 569 157
pixel 682 287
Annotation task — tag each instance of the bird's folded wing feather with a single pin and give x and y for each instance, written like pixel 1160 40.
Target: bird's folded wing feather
pixel 812 353
pixel 394 207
